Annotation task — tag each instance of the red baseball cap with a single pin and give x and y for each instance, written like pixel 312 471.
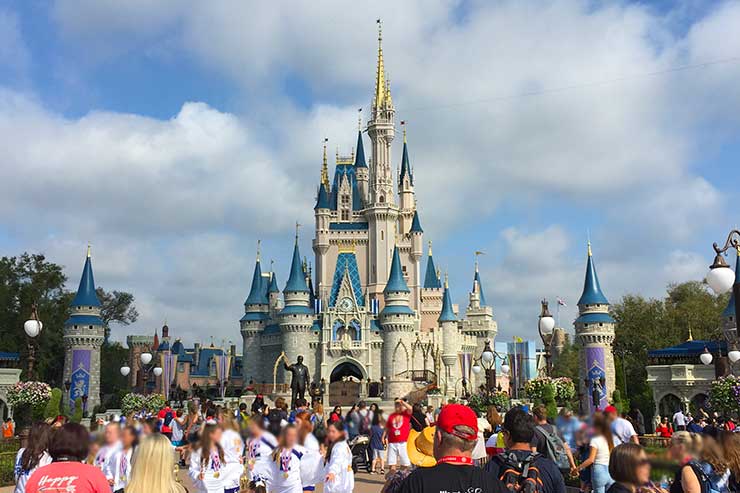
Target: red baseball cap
pixel 610 410
pixel 453 415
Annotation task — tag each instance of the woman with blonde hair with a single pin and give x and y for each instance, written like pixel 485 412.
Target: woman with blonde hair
pixel 233 446
pixel 684 450
pixel 153 469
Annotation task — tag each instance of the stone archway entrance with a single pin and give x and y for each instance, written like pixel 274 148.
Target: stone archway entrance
pixel 345 383
pixel 668 405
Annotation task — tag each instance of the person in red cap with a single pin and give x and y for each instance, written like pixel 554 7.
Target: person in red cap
pixel 621 428
pixel 454 439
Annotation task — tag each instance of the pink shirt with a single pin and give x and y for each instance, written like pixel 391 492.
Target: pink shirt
pixel 63 477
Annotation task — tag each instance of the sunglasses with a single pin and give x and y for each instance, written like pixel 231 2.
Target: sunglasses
pixel 643 462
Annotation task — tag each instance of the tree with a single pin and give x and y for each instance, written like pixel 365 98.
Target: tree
pixel 77 415
pixel 112 356
pixel 566 364
pixel 117 306
pixel 52 409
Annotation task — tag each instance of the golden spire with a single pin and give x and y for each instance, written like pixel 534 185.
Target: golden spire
pixel 359 119
pixel 380 84
pixel 447 284
pixel 325 169
pixel 430 248
pixel 259 242
pixel 691 336
pixel 403 125
pixel 589 248
pixel 89 250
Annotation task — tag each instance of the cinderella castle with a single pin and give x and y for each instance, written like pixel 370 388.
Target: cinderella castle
pixel 373 319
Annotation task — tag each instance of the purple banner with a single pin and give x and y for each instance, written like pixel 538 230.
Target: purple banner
pixel 595 364
pixel 80 377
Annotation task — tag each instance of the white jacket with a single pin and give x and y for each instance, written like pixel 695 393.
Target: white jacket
pixel 233 446
pixel 213 474
pixel 340 465
pixel 292 479
pixel 118 468
pixel 258 456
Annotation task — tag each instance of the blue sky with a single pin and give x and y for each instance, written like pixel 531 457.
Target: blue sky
pixel 173 134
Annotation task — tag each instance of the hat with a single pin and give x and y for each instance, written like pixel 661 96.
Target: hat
pixel 610 410
pixel 420 447
pixel 453 415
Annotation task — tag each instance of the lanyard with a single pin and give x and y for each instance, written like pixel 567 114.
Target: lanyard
pixel 454 459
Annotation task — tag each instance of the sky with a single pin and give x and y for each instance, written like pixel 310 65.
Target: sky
pixel 173 134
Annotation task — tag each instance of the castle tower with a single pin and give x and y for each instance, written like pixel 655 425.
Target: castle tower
pixel 83 336
pixel 450 341
pixel 478 321
pixel 431 295
pixel 322 215
pixel 595 335
pixel 256 317
pixel 381 211
pixel 729 324
pixel 398 321
pixel 296 318
pixel 363 174
pixel 416 235
pixel 273 295
pixel 406 189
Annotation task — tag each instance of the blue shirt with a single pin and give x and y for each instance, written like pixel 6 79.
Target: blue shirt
pixel 568 428
pixel 376 437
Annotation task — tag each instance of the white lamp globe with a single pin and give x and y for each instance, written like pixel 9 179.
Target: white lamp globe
pixel 706 357
pixel 734 355
pixel 125 370
pixel 476 368
pixel 157 371
pixel 505 369
pixel 32 328
pixel 547 324
pixel 146 358
pixel 720 279
pixel 487 356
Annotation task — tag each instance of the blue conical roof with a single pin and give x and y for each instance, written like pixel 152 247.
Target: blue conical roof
pixel 405 166
pixel 297 279
pixel 360 156
pixel 322 200
pixel 273 284
pixel 431 280
pixel 730 309
pixel 257 292
pixel 592 294
pixel 480 287
pixel 396 282
pixel 447 314
pixel 416 224
pixel 86 295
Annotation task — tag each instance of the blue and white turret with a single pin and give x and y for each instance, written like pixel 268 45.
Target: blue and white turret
pixel 361 169
pixel 255 319
pixel 451 339
pixel 83 336
pixel 595 334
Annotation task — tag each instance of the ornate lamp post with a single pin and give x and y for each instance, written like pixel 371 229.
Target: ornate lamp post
pixel 721 278
pixel 147 367
pixel 487 361
pixel 545 326
pixel 32 328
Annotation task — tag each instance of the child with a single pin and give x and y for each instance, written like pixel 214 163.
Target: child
pixel 233 446
pixel 337 466
pixel 260 445
pixel 285 467
pixel 118 469
pixel 207 461
pixel 377 430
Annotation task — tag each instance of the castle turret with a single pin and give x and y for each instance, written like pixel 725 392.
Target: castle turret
pixel 361 169
pixel 595 334
pixel 416 235
pixel 406 189
pixel 398 322
pixel 256 316
pixel 450 340
pixel 431 296
pixel 296 317
pixel 478 321
pixel 83 337
pixel 729 324
pixel 273 294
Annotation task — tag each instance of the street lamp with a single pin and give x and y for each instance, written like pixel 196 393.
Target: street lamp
pixel 721 278
pixel 487 361
pixel 125 370
pixel 706 357
pixel 32 328
pixel 145 363
pixel 545 325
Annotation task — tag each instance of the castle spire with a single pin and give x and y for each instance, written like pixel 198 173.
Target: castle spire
pixel 416 224
pixel 325 168
pixel 257 291
pixel 297 279
pixel 360 155
pixel 380 83
pixel 86 295
pixel 477 283
pixel 431 279
pixel 405 166
pixel 592 294
pixel 447 314
pixel 396 282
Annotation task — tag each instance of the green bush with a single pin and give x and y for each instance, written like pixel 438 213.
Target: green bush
pixel 52 409
pixel 622 405
pixel 548 399
pixel 77 414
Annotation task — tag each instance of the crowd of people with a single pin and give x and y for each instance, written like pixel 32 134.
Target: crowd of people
pixel 261 448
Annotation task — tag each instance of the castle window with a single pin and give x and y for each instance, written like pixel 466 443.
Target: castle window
pixel 403 268
pixel 382 235
pixel 381 199
pixel 345 200
pixel 345 215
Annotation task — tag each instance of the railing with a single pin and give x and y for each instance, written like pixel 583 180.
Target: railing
pixel 269 389
pixel 427 376
pixel 655 441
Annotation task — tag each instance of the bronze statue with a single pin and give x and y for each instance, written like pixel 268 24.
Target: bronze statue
pixel 299 380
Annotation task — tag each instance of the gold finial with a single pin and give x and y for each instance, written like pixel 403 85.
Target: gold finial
pixel 589 248
pixel 447 284
pixel 89 250
pixel 430 248
pixel 477 253
pixel 297 225
pixel 403 125
pixel 325 168
pixel 259 243
pixel 359 119
pixel 439 274
pixel 380 84
pixel 691 336
pixel 738 251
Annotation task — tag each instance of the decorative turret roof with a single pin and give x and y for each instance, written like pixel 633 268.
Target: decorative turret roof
pixel 405 166
pixel 592 294
pixel 297 279
pixel 322 199
pixel 396 282
pixel 86 295
pixel 447 314
pixel 273 284
pixel 257 293
pixel 360 156
pixel 730 308
pixel 477 280
pixel 416 224
pixel 431 279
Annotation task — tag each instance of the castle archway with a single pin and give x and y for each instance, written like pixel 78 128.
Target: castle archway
pixel 345 382
pixel 668 405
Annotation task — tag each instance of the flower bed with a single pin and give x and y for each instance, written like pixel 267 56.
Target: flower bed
pixel 563 388
pixel 134 403
pixel 724 395
pixel 28 400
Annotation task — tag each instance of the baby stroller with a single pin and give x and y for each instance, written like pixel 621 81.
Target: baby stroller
pixel 359 446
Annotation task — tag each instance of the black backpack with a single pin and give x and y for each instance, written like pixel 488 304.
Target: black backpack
pixel 168 417
pixel 519 476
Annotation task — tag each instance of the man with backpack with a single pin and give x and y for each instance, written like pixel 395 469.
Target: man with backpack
pixel 520 469
pixel 166 415
pixel 549 442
